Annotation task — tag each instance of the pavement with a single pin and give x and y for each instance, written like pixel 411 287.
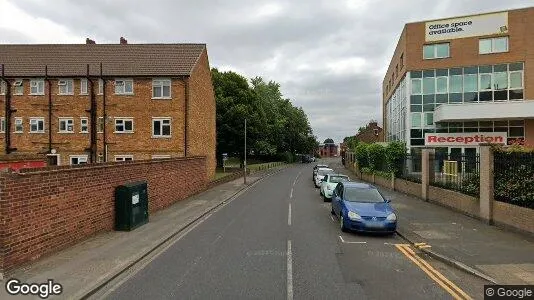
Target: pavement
pixel 88 265
pixel 498 255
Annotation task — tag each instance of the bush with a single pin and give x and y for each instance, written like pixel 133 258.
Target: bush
pixel 383 174
pixel 514 177
pixel 377 157
pixel 367 170
pixel 395 156
pixel 287 157
pixel 362 156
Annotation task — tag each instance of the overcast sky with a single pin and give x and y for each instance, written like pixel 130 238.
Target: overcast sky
pixel 330 56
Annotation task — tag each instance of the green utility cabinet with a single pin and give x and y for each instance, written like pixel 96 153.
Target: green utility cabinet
pixel 131 206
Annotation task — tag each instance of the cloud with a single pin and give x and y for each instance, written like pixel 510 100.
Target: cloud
pixel 329 56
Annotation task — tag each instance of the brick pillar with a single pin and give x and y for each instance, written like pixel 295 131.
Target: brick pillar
pixel 427 172
pixel 486 183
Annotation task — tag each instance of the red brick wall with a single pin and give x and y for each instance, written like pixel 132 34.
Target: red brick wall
pixel 43 211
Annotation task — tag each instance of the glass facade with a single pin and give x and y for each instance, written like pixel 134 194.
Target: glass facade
pixel 396 110
pixel 490 83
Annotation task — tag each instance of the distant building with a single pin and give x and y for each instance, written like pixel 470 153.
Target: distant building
pixel 371 134
pixel 328 150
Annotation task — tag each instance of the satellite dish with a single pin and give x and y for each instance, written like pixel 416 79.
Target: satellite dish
pixel 53 151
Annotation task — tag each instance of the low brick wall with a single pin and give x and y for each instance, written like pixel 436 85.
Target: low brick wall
pixel 367 177
pixel 385 182
pixel 517 217
pixel 408 187
pixel 46 210
pixel 464 203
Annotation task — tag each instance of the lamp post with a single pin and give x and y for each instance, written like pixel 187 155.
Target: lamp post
pixel 245 162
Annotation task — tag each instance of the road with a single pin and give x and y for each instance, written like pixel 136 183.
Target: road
pixel 278 240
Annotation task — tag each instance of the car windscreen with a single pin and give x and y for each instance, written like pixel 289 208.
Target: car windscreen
pixel 337 179
pixel 324 172
pixel 365 195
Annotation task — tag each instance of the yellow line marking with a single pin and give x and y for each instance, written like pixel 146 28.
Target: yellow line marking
pixel 424 246
pixel 437 273
pixel 402 248
pixel 419 244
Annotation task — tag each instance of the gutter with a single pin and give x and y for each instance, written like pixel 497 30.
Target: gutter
pixel 105 114
pixel 186 115
pixel 93 136
pixel 49 110
pixel 8 112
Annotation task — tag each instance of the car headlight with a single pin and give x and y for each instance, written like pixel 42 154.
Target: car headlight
pixel 392 217
pixel 354 216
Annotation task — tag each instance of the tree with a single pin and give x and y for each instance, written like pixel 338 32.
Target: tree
pixel 329 141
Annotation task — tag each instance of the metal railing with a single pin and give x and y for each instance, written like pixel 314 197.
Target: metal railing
pixel 457 172
pixel 514 178
pixel 409 168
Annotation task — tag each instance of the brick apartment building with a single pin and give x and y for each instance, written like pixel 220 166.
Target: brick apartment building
pixel 89 103
pixel 454 82
pixel 328 150
pixel 372 133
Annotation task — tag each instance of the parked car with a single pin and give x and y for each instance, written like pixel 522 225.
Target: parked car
pixel 361 207
pixel 321 172
pixel 329 183
pixel 307 158
pixel 315 168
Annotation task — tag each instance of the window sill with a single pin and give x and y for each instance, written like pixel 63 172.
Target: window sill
pixel 85 132
pixel 124 132
pixel 41 94
pixel 65 94
pixel 125 94
pixel 18 132
pixel 436 58
pixel 37 132
pixel 66 132
pixel 85 94
pixel 489 53
pixel 161 98
pixel 162 136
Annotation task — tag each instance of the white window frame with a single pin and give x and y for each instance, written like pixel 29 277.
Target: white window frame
pixel 159 156
pixel 161 82
pixel 125 157
pixel 436 87
pixel 420 84
pixel 37 120
pixel 2 124
pixel 21 125
pixel 480 80
pixel 100 125
pixel 84 86
pixel 86 120
pixel 121 82
pixel 100 86
pixel 435 46
pixel 78 157
pixel 3 87
pixel 18 87
pixel 124 119
pixel 66 119
pixel 492 50
pixel 69 86
pixel 161 119
pixel 510 80
pixel 39 84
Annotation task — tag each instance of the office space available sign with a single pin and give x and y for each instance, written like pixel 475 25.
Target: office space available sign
pixel 465 139
pixel 479 25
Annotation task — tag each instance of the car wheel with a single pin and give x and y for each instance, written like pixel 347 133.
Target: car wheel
pixel 325 199
pixel 342 223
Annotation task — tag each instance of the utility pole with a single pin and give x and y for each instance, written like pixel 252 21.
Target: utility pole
pixel 245 163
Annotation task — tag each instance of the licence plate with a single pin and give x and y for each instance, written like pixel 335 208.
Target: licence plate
pixel 375 225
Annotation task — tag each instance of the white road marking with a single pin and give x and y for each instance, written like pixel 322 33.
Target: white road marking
pixel 291 195
pixel 296 178
pixel 289 271
pixel 289 216
pixel 344 242
pixel 332 217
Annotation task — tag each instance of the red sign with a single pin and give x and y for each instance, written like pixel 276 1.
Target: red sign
pixel 465 139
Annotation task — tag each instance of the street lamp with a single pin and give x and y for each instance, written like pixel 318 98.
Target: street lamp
pixel 245 162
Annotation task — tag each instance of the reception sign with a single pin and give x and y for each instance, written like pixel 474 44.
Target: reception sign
pixel 465 139
pixel 455 28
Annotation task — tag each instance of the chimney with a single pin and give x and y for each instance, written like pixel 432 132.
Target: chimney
pixel 123 41
pixel 89 41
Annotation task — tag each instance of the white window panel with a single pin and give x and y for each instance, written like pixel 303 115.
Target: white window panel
pixel 37 125
pixel 123 157
pixel 124 125
pixel 161 127
pixel 83 86
pixel 66 125
pixel 84 125
pixel 2 124
pixel 161 89
pixel 100 86
pixel 493 45
pixel 66 87
pixel 18 87
pixel 78 159
pixel 19 127
pixel 124 86
pixel 37 87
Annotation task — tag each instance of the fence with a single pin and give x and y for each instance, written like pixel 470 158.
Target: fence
pixel 514 178
pixel 409 168
pixel 457 172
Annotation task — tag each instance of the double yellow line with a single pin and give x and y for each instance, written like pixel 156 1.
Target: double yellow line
pixel 446 284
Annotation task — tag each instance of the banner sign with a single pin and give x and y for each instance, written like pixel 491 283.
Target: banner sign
pixel 480 25
pixel 465 139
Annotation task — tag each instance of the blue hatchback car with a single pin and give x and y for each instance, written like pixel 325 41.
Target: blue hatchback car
pixel 361 207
